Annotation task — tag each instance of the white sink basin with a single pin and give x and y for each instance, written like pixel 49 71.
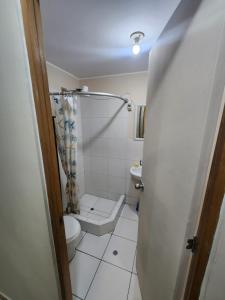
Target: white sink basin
pixel 136 172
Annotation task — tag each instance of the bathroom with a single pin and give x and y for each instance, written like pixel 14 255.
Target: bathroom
pixel 112 150
pixel 103 75
pixel 109 132
pixel 107 148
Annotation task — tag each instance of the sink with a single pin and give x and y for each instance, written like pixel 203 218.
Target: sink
pixel 136 172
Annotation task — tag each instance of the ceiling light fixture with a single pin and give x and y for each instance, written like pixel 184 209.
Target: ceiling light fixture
pixel 136 36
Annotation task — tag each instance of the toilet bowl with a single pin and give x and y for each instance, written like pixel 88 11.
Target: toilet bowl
pixel 73 234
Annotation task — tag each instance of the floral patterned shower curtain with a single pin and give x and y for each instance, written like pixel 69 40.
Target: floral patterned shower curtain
pixel 65 126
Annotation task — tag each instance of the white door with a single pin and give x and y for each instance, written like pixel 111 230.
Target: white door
pixel 184 98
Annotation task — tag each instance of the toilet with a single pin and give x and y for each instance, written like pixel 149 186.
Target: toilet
pixel 73 234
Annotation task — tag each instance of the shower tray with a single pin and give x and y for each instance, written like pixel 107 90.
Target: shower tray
pixel 99 215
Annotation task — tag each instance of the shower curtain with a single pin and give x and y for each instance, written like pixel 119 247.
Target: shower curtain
pixel 65 126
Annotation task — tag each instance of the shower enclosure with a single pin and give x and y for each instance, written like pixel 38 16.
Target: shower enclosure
pixel 102 133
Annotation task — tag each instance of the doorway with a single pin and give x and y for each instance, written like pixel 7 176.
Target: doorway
pixel 31 15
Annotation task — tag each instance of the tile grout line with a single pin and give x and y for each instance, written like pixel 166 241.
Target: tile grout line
pixel 134 260
pixel 122 237
pixel 81 251
pixel 132 273
pixel 129 286
pixel 77 297
pixel 74 257
pixel 92 280
pixel 102 260
pixel 97 267
pixel 105 261
pixel 116 266
pixel 129 219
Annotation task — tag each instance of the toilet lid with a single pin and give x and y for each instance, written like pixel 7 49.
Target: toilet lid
pixel 72 227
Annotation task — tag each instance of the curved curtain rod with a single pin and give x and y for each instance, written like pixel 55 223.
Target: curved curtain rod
pixel 77 92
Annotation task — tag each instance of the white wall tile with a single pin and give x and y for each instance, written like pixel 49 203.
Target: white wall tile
pixel 98 165
pixel 86 165
pixel 114 196
pixel 116 167
pixel 118 128
pixel 98 107
pixel 102 194
pixel 106 129
pixel 117 148
pixel 134 150
pixel 99 147
pixel 118 109
pixel 117 184
pixel 98 182
pixel 99 127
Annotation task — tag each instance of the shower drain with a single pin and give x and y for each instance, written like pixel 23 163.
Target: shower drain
pixel 115 252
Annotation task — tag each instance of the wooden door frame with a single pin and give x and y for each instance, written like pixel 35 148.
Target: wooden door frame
pixel 209 217
pixel 34 42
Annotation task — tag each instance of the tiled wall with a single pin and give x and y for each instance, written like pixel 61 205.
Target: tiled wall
pixel 80 157
pixel 109 147
pixel 106 148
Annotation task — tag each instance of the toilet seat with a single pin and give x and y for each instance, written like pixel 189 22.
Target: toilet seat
pixel 72 228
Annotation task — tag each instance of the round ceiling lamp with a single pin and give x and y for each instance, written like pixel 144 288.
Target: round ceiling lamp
pixel 136 36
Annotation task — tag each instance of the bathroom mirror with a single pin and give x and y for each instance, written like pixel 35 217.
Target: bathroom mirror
pixel 140 120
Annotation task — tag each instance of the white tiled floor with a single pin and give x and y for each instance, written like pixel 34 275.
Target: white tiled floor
pixel 127 229
pixel 134 291
pixel 129 212
pixel 134 270
pixel 82 271
pixel 110 283
pixel 97 273
pixel 94 245
pixel 126 251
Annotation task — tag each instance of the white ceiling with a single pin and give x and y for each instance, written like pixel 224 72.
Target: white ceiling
pixel 92 37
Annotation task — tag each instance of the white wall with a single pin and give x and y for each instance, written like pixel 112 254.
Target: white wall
pixel 213 287
pixel 186 83
pixel 27 261
pixel 59 78
pixel 108 133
